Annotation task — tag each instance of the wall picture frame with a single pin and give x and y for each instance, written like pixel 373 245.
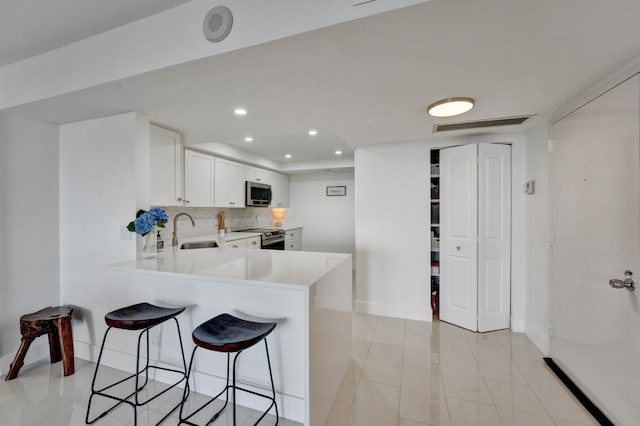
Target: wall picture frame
pixel 336 191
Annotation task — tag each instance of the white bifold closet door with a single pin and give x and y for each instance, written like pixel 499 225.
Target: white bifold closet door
pixel 475 236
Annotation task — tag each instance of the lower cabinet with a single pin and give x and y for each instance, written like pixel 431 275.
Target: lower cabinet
pixel 254 242
pixel 251 242
pixel 293 239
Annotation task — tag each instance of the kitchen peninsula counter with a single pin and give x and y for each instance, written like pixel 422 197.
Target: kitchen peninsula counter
pixel 308 294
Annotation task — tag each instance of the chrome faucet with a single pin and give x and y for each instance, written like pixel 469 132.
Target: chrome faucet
pixel 174 241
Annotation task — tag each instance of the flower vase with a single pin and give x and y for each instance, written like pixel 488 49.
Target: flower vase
pixel 148 248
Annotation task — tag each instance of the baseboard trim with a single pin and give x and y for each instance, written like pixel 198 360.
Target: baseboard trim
pixel 539 338
pixel 517 325
pixel 575 390
pixel 291 406
pixel 394 311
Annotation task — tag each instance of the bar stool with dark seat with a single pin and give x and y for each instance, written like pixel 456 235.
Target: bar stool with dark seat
pixel 142 316
pixel 226 333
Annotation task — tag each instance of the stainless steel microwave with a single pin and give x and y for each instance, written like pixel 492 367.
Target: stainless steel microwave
pixel 258 194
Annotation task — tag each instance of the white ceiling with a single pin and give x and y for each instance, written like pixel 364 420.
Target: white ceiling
pixel 369 81
pixel 31 27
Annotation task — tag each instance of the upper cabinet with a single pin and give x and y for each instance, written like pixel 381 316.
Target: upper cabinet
pixel 279 190
pixel 217 182
pixel 254 174
pixel 229 183
pixel 166 167
pixel 199 179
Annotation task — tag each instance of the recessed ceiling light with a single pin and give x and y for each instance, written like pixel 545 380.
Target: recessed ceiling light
pixel 287 156
pixel 338 152
pixel 248 139
pixel 450 107
pixel 240 111
pixel 313 132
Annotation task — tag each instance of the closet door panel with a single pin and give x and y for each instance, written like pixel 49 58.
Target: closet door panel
pixel 494 237
pixel 459 230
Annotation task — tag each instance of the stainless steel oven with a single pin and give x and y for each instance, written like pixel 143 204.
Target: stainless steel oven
pixel 273 240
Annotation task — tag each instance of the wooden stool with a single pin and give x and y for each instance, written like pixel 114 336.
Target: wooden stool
pixel 54 321
pixel 228 334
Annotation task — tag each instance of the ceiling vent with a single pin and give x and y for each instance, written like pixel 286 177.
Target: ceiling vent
pixel 468 125
pixel 217 24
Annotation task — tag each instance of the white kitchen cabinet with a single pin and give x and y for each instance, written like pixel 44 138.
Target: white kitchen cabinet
pixel 199 178
pixel 239 243
pixel 229 183
pixel 279 190
pixel 166 167
pixel 250 242
pixel 255 174
pixel 293 239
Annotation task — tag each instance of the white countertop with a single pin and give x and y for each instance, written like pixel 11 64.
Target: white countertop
pixel 296 269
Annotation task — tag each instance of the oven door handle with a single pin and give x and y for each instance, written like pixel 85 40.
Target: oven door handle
pixel 272 242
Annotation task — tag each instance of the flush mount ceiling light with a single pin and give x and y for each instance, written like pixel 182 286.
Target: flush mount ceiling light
pixel 313 132
pixel 248 139
pixel 338 152
pixel 240 111
pixel 450 107
pixel 287 156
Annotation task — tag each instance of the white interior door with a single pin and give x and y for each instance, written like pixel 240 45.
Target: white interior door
pixel 596 227
pixel 458 236
pixel 494 237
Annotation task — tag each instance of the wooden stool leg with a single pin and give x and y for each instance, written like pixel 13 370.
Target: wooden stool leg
pixel 54 346
pixel 18 361
pixel 66 344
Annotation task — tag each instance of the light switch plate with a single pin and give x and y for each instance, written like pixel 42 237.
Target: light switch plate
pixel 530 187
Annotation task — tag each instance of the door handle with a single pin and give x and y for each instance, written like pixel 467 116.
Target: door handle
pixel 458 248
pixel 627 283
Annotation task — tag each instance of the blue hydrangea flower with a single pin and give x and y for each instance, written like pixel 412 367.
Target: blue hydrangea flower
pixel 146 221
pixel 159 214
pixel 144 224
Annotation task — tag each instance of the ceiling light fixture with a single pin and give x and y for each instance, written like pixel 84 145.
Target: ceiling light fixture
pixel 240 111
pixel 287 156
pixel 450 107
pixel 248 139
pixel 313 132
pixel 338 152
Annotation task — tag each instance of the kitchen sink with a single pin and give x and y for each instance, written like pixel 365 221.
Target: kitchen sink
pixel 199 245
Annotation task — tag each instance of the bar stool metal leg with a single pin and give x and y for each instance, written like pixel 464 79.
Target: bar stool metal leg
pixel 231 373
pixel 136 376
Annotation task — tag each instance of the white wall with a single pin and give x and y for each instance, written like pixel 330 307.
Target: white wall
pixel 29 272
pixel 392 238
pixel 538 236
pixel 100 164
pixel 329 222
pixel 392 227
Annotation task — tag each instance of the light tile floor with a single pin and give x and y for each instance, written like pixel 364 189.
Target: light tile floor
pixel 403 373
pixel 412 373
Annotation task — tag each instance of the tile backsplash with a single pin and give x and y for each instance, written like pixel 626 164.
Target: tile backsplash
pixel 206 219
